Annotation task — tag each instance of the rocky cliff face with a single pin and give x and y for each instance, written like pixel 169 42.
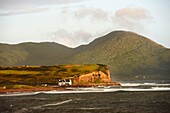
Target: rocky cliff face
pixel 93 77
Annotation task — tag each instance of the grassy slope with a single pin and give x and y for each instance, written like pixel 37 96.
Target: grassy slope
pixel 10 55
pixel 36 75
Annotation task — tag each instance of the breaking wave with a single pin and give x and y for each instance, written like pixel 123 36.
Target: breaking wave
pixel 130 87
pixel 144 84
pixel 91 91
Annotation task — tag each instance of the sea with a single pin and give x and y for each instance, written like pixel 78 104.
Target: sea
pixel 131 97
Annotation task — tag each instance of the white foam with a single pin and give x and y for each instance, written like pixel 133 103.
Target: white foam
pixel 149 84
pixel 111 90
pixel 59 103
pixel 47 105
pixel 161 88
pixel 162 84
pixel 154 87
pixel 64 92
pixel 20 94
pixel 150 89
pixel 143 84
pixel 130 84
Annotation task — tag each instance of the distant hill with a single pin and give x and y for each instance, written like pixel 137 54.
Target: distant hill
pixel 129 55
pixel 29 53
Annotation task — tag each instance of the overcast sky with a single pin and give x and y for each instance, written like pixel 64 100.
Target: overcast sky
pixel 76 22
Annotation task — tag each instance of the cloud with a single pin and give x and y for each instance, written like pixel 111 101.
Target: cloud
pixel 71 39
pixel 25 3
pixel 133 13
pixel 29 11
pixel 11 7
pixel 94 13
pixel 132 18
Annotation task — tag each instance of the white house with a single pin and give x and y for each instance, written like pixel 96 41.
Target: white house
pixel 65 82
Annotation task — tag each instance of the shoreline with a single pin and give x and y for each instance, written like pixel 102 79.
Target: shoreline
pixel 56 88
pixel 26 90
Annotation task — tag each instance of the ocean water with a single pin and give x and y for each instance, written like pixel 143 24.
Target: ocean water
pixel 131 97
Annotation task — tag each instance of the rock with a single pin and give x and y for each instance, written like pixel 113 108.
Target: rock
pixel 93 77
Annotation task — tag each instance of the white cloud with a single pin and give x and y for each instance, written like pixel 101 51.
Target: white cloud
pixel 16 4
pixel 133 13
pixel 132 18
pixel 94 13
pixel 71 39
pixel 12 7
pixel 25 11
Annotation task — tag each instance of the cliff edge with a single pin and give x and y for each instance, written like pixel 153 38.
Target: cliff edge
pixel 52 75
pixel 93 77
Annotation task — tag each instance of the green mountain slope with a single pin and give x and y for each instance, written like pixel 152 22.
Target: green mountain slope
pixel 29 53
pixel 129 55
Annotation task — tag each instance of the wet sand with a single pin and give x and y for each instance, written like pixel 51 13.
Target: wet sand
pixel 21 90
pixel 57 88
pixel 110 102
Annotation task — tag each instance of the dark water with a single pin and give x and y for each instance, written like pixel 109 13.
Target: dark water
pixel 106 102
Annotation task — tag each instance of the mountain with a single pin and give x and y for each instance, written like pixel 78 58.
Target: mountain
pixel 29 53
pixel 129 55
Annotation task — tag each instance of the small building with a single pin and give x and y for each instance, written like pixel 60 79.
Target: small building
pixel 65 82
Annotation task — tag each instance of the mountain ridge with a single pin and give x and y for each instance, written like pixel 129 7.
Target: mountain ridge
pixel 123 50
pixel 128 55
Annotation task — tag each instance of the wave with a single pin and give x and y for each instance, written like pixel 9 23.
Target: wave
pixel 133 87
pixel 144 84
pixel 92 90
pixel 109 90
pixel 19 94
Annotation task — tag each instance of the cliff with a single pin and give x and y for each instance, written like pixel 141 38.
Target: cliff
pixel 93 77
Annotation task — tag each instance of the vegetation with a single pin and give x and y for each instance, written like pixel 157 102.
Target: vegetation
pixel 38 75
pixel 5 86
pixel 128 55
pixel 29 53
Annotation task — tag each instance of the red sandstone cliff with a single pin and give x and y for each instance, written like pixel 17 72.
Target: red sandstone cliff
pixel 93 77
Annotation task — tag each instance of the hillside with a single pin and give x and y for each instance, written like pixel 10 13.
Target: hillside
pixel 128 55
pixel 44 53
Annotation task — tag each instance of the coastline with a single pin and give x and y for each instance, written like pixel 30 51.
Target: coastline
pixel 24 90
pixel 56 88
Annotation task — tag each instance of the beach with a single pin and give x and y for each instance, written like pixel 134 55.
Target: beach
pixel 106 102
pixel 138 97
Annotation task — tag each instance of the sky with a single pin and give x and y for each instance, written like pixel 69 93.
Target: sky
pixel 76 22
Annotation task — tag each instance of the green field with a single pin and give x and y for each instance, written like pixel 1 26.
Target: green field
pixel 38 75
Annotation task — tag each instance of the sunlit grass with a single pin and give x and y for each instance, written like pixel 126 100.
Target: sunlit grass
pixel 18 72
pixel 31 75
pixel 16 86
